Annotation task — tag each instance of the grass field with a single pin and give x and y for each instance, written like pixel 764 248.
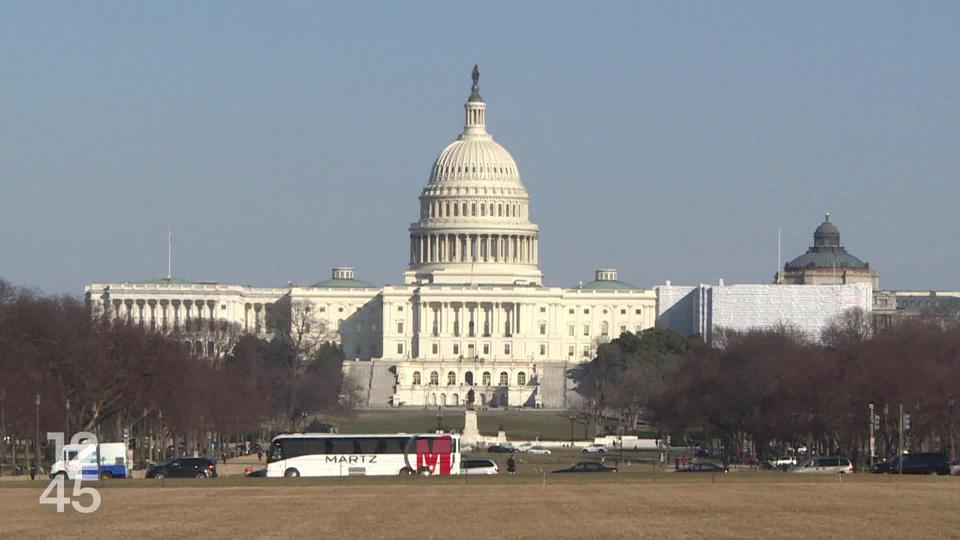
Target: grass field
pixel 668 505
pixel 518 425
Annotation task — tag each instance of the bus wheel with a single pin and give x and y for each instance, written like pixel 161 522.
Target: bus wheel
pixel 291 473
pixel 406 471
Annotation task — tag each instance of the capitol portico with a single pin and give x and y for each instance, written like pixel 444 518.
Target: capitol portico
pixel 472 322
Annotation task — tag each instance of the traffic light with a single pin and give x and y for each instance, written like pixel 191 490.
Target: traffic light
pixel 906 422
pixel 876 421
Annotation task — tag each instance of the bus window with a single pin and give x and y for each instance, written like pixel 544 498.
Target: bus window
pixel 396 445
pixel 341 446
pixel 377 445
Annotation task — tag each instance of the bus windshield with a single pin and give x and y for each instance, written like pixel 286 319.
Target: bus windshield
pixel 276 452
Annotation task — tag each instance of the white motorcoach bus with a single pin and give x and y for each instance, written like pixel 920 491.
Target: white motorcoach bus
pixel 327 454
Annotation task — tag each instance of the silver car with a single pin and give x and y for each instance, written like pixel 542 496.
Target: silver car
pixel 824 465
pixel 479 467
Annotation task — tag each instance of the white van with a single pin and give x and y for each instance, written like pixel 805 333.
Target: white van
pixel 825 465
pixel 113 461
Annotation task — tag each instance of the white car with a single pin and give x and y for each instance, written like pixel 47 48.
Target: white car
pixel 955 468
pixel 595 448
pixel 824 465
pixel 523 447
pixel 474 467
pixel 783 462
pixel 538 451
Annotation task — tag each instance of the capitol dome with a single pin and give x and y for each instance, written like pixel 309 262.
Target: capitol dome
pixel 474 225
pixel 474 158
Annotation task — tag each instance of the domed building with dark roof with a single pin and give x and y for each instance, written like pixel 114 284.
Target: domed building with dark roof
pixel 471 322
pixel 827 262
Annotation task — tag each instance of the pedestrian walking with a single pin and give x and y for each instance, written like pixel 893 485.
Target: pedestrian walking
pixel 259 456
pixel 511 465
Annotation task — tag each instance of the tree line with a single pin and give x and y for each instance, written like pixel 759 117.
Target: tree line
pixel 759 392
pixel 96 374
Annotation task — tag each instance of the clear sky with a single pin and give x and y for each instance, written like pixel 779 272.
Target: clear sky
pixel 670 140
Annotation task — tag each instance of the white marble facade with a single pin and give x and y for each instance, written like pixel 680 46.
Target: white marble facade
pixel 472 307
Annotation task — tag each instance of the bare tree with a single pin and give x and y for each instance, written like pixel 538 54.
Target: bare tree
pixel 850 327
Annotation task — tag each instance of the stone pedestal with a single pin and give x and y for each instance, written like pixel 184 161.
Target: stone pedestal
pixel 471 432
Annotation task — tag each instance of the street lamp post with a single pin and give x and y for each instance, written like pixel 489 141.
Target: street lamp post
pixel 36 440
pixel 3 427
pixel 953 450
pixel 572 420
pixel 439 419
pixel 872 436
pixel 163 440
pixel 66 423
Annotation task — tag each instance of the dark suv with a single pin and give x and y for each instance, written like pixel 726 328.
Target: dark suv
pixel 923 463
pixel 184 468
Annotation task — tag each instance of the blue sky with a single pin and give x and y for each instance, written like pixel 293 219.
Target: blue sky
pixel 670 140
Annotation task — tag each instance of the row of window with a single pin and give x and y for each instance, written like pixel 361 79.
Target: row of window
pixel 438 209
pixel 571 329
pixel 571 350
pixel 291 448
pixel 449 169
pixel 485 378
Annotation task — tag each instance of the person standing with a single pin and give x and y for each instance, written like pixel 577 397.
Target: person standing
pixel 511 465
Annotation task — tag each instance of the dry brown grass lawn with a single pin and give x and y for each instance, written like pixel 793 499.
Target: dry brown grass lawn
pixel 754 507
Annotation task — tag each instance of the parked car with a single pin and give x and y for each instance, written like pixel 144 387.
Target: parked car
pixel 184 468
pixel 595 448
pixel 10 469
pixel 587 467
pixel 824 465
pixel 524 447
pixel 955 468
pixel 783 462
pixel 259 473
pixel 479 467
pixel 501 449
pixel 538 451
pixel 920 463
pixel 705 467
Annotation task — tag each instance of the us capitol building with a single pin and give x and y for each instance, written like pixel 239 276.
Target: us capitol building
pixel 472 323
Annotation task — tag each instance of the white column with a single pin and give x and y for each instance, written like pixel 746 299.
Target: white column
pixel 516 319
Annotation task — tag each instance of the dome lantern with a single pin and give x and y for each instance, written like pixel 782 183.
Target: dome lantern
pixel 827 234
pixel 475 123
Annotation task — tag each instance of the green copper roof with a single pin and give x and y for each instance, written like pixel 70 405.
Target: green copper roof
pixel 606 285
